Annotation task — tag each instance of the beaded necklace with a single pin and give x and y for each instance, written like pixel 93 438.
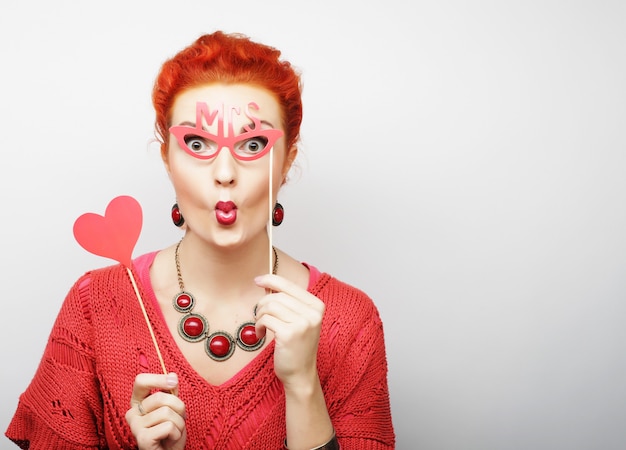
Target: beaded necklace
pixel 194 327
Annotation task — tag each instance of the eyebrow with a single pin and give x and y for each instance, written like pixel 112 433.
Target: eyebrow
pixel 187 124
pixel 264 122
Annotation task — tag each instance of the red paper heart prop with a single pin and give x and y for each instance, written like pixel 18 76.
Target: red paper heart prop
pixel 114 235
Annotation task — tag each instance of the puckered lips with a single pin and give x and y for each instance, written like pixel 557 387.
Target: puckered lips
pixel 226 213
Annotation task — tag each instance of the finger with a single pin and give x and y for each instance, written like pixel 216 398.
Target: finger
pixel 277 283
pixel 159 403
pixel 147 382
pixel 271 323
pixel 284 306
pixel 281 318
pixel 169 430
pixel 260 330
pixel 161 432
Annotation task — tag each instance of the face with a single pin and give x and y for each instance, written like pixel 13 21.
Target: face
pixel 225 143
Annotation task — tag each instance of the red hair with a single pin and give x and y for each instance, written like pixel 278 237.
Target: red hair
pixel 228 58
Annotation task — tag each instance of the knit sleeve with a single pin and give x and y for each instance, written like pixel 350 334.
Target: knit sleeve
pixel 61 409
pixel 355 373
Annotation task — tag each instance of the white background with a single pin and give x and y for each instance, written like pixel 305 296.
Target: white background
pixel 462 162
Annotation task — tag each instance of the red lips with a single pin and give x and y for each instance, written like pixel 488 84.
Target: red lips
pixel 225 213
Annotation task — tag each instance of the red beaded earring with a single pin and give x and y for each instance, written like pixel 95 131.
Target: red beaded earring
pixel 278 214
pixel 177 216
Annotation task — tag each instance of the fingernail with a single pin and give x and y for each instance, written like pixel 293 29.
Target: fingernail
pixel 171 380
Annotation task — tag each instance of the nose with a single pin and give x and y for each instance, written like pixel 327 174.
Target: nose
pixel 224 168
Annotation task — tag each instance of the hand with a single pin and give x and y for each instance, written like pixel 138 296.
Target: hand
pixel 157 420
pixel 294 315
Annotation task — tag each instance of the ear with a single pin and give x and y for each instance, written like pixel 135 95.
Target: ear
pixel 291 157
pixel 165 158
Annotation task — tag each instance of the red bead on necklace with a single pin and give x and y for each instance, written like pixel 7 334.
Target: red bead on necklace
pixel 193 327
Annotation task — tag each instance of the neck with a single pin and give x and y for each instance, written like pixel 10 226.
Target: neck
pixel 223 272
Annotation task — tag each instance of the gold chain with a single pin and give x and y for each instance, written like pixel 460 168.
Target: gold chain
pixel 180 276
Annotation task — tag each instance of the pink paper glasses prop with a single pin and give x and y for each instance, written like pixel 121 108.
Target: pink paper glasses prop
pixel 252 143
pixel 114 236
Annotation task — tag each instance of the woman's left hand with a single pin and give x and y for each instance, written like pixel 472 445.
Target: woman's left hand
pixel 157 419
pixel 294 315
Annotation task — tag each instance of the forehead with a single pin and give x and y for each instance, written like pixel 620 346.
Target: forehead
pixel 238 96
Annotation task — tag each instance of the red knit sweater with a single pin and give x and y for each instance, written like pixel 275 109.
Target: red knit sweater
pixel 82 388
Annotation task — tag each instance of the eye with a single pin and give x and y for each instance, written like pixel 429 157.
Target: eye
pixel 252 146
pixel 199 145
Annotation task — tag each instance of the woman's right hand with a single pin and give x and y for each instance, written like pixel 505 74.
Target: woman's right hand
pixel 157 420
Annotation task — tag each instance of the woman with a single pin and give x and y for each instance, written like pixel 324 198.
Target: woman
pixel 240 358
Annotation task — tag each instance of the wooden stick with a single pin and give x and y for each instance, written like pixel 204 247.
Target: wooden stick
pixel 271 210
pixel 145 315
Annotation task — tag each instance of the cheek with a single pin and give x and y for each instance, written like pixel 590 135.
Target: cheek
pixel 187 178
pixel 256 186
